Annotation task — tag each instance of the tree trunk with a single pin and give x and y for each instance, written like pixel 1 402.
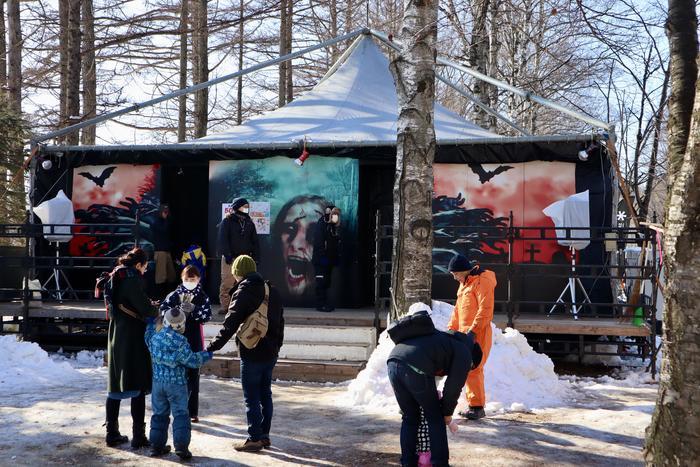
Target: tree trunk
pixel 333 26
pixel 289 87
pixel 3 50
pixel 73 68
pixel 14 46
pixel 282 83
pixel 683 45
pixel 239 95
pixel 414 74
pixel 673 438
pixel 201 98
pixel 479 57
pixel 63 9
pixel 89 72
pixel 182 100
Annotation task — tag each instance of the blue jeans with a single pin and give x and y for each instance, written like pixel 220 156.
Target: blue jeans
pixel 256 379
pixel 414 391
pixel 167 398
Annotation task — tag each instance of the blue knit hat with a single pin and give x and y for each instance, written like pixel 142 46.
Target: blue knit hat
pixel 460 263
pixel 237 203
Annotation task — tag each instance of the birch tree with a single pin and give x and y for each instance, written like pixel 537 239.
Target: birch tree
pixel 14 49
pixel 414 75
pixel 673 438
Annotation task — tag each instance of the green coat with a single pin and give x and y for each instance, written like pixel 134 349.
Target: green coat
pixel 128 358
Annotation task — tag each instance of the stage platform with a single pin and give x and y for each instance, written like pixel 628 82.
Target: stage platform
pixel 526 324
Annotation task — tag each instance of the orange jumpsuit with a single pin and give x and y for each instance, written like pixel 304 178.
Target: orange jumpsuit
pixel 474 312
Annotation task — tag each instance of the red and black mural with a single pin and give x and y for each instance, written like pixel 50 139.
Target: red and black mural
pixel 114 194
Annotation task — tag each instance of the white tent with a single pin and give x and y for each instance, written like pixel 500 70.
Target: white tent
pixel 357 103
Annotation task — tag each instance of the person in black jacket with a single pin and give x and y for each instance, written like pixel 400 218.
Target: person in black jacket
pixel 413 365
pixel 326 255
pixel 237 236
pixel 256 363
pixel 165 275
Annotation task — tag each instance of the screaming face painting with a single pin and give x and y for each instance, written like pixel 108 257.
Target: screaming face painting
pixel 297 198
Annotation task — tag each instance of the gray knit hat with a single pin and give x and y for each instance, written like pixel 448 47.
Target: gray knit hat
pixel 175 319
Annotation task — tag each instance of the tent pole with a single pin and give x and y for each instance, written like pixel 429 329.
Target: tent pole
pixel 483 106
pixel 503 85
pixel 196 87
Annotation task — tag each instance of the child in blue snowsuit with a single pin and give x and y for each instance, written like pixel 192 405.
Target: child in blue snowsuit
pixel 171 356
pixel 191 298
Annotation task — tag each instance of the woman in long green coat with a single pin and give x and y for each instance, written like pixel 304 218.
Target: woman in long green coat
pixel 128 358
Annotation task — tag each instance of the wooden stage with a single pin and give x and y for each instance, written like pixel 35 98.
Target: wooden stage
pixel 525 323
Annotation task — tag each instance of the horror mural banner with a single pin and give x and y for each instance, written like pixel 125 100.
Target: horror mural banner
pixel 471 208
pixel 114 194
pixel 286 202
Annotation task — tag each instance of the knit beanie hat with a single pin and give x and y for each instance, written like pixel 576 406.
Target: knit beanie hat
pixel 175 319
pixel 461 263
pixel 243 265
pixel 237 203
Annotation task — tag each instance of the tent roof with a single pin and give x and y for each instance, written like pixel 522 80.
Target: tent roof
pixel 357 103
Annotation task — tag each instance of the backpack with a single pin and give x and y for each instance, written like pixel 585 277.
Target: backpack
pixel 254 328
pixel 417 324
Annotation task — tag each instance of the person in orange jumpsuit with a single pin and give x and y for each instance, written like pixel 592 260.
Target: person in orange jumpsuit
pixel 473 312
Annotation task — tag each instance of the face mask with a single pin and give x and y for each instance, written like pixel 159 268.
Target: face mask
pixel 244 210
pixel 190 285
pixel 335 218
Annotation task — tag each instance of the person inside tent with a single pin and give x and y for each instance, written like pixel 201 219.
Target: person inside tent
pixel 473 313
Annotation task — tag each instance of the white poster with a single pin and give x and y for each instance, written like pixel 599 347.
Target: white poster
pixel 259 213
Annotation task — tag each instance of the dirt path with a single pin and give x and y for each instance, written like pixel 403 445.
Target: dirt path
pixel 605 426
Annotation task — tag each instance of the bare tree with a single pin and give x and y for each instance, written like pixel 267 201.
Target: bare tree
pixel 14 72
pixel 3 49
pixel 241 41
pixel 89 71
pixel 201 67
pixel 414 74
pixel 182 100
pixel 673 438
pixel 282 86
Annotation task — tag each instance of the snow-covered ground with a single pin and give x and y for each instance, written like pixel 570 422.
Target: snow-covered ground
pixel 52 411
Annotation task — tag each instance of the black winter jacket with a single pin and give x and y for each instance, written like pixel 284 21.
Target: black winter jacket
pixel 439 354
pixel 246 297
pixel 238 236
pixel 326 243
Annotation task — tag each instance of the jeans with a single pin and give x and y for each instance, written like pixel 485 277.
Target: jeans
pixel 414 391
pixel 167 398
pixel 256 379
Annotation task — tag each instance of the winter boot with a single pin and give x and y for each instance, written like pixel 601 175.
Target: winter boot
pixel 160 451
pixel 249 446
pixel 139 439
pixel 114 438
pixel 475 413
pixel 184 454
pixel 266 443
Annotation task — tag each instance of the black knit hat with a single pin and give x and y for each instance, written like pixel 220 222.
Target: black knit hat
pixel 237 203
pixel 460 263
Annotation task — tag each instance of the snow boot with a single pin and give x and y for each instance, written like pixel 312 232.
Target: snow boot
pixel 184 454
pixel 266 443
pixel 114 438
pixel 249 446
pixel 160 451
pixel 139 439
pixel 475 413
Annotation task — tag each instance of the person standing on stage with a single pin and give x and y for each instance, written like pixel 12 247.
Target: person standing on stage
pixel 165 275
pixel 326 255
pixel 237 236
pixel 473 312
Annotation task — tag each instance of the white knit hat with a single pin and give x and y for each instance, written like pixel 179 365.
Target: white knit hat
pixel 175 319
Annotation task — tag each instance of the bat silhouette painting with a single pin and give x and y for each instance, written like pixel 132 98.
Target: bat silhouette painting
pixel 470 214
pixel 487 175
pixel 102 178
pixel 113 195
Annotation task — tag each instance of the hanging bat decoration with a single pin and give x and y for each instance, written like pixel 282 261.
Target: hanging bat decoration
pixel 99 181
pixel 487 175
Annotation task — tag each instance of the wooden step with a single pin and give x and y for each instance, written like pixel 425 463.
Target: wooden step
pixel 289 369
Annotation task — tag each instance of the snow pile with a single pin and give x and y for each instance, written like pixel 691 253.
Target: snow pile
pixel 517 377
pixel 85 359
pixel 26 366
